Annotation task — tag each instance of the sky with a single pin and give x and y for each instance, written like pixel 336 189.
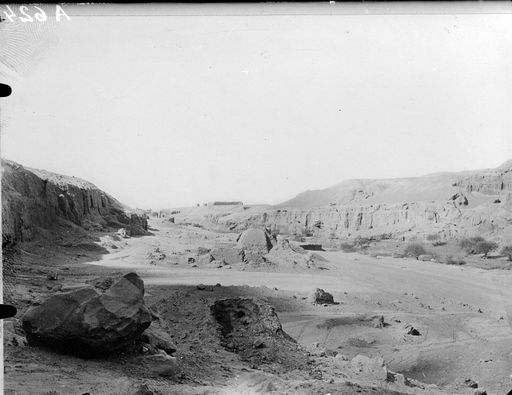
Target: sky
pixel 173 106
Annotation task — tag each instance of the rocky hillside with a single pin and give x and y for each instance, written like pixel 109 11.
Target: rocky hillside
pixel 449 204
pixel 37 202
pixel 432 187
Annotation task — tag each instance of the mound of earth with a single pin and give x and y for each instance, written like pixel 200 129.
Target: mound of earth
pixel 288 254
pixel 226 255
pixel 251 328
pixel 87 322
pixel 255 243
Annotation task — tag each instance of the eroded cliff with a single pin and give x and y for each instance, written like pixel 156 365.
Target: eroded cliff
pixel 36 202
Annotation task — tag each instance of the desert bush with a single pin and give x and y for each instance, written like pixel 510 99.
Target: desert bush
pixel 432 237
pixel 414 250
pixel 477 245
pixel 507 251
pixel 384 236
pixel 450 260
pixel 347 247
pixel 362 242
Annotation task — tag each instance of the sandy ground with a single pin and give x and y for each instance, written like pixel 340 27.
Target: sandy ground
pixel 464 314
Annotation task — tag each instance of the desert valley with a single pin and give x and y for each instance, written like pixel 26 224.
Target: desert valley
pixel 396 286
pixel 260 198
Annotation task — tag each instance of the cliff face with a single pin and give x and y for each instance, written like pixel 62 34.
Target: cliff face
pixel 492 182
pixel 34 201
pixel 451 204
pixel 448 218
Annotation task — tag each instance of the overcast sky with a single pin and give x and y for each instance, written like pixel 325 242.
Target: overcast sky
pixel 165 111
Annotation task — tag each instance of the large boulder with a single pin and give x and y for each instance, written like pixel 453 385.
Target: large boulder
pixel 255 243
pixel 87 322
pixel 319 296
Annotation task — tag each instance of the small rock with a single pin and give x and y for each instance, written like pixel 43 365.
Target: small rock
pixel 471 383
pixel 378 321
pixel 480 392
pixel 201 287
pixel 53 276
pixel 162 364
pixel 259 343
pixel 413 332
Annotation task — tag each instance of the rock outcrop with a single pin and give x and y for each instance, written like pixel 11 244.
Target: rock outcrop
pixel 87 322
pixel 319 296
pixel 36 201
pixel 251 328
pixel 451 204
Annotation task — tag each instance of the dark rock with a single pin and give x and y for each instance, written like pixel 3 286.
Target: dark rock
pixel 471 383
pixel 87 322
pixel 319 296
pixel 413 332
pixel 138 225
pixel 52 276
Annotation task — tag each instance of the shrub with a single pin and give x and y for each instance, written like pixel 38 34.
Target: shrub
pixel 432 237
pixel 449 260
pixel 362 242
pixel 487 246
pixel 347 247
pixel 414 250
pixel 507 250
pixel 470 244
pixel 477 245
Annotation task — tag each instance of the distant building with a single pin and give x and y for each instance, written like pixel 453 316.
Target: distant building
pixel 225 204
